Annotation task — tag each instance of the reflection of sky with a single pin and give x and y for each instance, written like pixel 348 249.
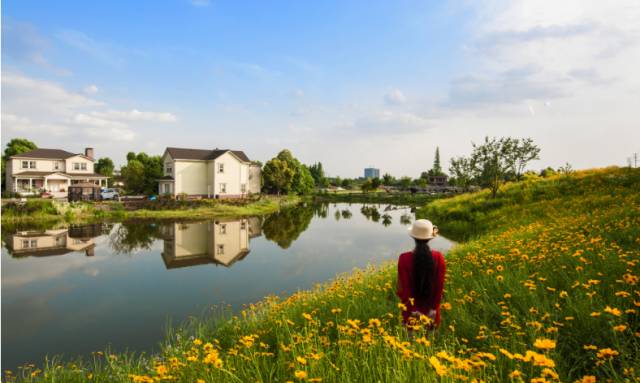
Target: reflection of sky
pixel 75 304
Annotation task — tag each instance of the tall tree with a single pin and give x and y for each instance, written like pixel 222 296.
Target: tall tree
pixel 388 180
pixel 15 146
pixel 141 173
pixel 462 170
pixel 437 169
pixel 522 152
pixel 317 172
pixel 277 176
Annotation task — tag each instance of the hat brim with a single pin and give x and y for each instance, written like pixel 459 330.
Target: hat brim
pixel 417 237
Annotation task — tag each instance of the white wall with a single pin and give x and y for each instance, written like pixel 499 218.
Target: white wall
pixel 79 159
pixel 190 177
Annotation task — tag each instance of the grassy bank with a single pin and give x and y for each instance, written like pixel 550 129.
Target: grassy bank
pixel 35 210
pixel 395 198
pixel 547 290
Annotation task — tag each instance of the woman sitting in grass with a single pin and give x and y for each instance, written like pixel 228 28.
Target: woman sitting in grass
pixel 421 275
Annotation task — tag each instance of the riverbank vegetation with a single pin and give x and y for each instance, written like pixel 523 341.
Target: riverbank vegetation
pixel 546 291
pixel 38 210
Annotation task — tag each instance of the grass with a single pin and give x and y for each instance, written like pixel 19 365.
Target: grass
pixel 545 290
pixel 81 212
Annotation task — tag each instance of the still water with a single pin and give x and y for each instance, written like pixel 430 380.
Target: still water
pixel 73 290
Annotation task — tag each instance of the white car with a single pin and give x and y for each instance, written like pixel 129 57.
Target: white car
pixel 108 193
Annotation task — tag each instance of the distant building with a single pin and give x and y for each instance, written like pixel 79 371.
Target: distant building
pixel 437 180
pixel 371 173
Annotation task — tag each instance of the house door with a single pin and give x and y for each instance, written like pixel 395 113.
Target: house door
pixel 54 187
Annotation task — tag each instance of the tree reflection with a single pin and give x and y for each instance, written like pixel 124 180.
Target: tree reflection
pixel 337 215
pixel 386 220
pixel 285 226
pixel 371 213
pixel 405 219
pixel 132 236
pixel 346 214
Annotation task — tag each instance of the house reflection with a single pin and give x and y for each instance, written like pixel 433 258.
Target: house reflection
pixel 221 242
pixel 42 243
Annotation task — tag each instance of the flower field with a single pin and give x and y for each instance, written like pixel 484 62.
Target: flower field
pixel 545 289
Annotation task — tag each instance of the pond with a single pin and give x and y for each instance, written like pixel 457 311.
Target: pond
pixel 78 289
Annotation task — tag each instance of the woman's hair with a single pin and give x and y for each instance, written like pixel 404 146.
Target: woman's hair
pixel 423 271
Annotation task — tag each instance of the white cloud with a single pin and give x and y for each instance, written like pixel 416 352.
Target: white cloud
pixel 395 97
pixel 112 133
pixel 91 89
pixel 84 119
pixel 136 115
pixel 387 122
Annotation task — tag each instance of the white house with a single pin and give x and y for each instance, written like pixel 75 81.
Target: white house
pixel 209 173
pixel 50 170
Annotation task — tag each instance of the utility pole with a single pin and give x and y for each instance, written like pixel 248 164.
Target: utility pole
pixel 635 160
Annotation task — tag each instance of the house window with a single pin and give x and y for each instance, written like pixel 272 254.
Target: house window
pixel 25 164
pixel 56 165
pixel 223 229
pixel 220 168
pixel 243 188
pixel 243 225
pixel 32 164
pixel 169 169
pixel 33 243
pixel 83 166
pixel 76 166
pixel 220 249
pixel 223 188
pixel 25 243
pixel 167 188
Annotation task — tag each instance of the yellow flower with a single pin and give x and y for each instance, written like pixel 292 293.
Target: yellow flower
pixel 307 317
pixel 161 369
pixel 402 307
pixel 515 374
pixel 301 360
pixel 197 342
pixel 619 328
pixel 200 381
pixel 441 370
pixel 300 374
pixel 607 353
pixel 544 344
pixel 587 379
pixel 613 311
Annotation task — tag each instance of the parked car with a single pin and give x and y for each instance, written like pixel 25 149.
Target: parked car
pixel 109 193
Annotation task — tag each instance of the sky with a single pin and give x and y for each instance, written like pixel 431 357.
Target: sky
pixel 351 84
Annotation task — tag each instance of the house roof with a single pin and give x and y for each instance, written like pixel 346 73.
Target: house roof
pixel 166 178
pixel 56 154
pixel 30 173
pixel 203 154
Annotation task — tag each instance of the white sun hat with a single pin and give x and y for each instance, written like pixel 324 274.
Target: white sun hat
pixel 423 229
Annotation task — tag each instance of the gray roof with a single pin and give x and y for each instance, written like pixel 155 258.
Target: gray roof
pixel 203 154
pixel 56 154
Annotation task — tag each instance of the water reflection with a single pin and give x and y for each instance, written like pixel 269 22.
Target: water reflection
pixel 220 242
pixel 43 243
pixel 118 283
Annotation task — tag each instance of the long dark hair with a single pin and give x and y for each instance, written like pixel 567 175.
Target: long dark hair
pixel 423 271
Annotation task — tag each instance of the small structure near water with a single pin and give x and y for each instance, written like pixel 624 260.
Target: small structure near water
pixel 84 191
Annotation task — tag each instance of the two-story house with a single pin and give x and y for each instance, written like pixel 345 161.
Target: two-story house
pixel 216 173
pixel 50 170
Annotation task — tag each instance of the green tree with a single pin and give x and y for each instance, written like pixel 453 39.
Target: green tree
pixel 375 183
pixel 277 176
pixel 15 146
pixel 105 167
pixel 462 171
pixel 388 180
pixel 285 226
pixel 133 176
pixel 317 172
pixel 346 183
pixel 405 182
pixel 366 185
pixel 303 182
pixel 522 151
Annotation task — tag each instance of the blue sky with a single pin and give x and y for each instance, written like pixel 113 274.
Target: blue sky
pixel 350 84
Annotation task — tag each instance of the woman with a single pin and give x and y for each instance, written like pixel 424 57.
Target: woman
pixel 421 275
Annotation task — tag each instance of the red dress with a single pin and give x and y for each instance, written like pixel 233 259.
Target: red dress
pixel 405 285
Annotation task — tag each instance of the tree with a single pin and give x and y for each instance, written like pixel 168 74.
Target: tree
pixel 277 176
pixel 15 146
pixel 461 170
pixel 366 185
pixel 405 182
pixel 303 182
pixel 141 173
pixel 105 167
pixel 522 152
pixel 496 161
pixel 133 176
pixel 388 180
pixel 346 183
pixel 436 170
pixel 375 183
pixel 337 181
pixel 317 172
pixel 421 182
